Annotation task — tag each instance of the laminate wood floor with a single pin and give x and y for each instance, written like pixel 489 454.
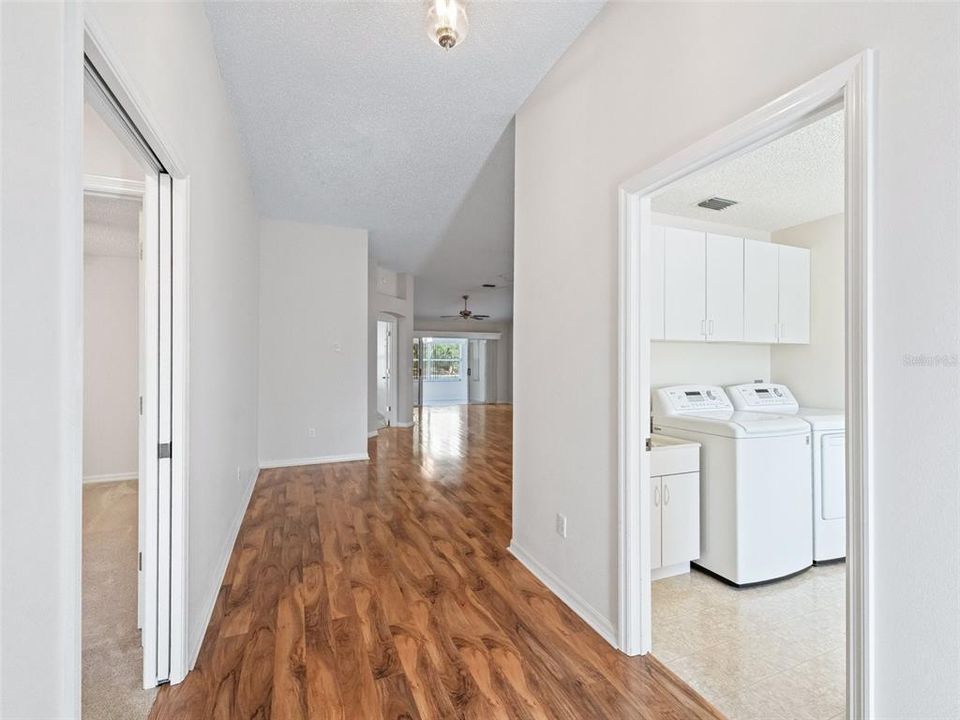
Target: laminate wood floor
pixel 383 589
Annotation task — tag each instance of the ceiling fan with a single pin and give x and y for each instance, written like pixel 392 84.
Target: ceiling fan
pixel 466 314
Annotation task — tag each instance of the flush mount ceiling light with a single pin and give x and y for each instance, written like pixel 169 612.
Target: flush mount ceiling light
pixel 447 22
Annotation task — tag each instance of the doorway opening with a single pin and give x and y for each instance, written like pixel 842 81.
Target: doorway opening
pixel 725 543
pixel 135 388
pixel 455 369
pixel 747 468
pixel 386 370
pixel 112 667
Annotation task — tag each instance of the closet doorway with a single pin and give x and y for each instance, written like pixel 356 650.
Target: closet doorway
pixel 135 307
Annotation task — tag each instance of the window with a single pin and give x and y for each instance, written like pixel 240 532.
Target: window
pixel 441 360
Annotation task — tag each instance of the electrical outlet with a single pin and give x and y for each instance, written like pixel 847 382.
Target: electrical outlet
pixel 561 525
pixel 311 432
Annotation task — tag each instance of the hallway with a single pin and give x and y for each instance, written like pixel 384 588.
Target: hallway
pixel 383 589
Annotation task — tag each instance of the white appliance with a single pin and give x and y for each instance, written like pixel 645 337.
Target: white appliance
pixel 755 501
pixel 829 464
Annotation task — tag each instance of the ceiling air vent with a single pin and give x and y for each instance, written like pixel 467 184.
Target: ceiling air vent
pixel 716 203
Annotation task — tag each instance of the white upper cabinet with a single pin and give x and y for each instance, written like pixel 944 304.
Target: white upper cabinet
pixel 718 288
pixel 761 282
pixel 724 288
pixel 794 302
pixel 655 276
pixel 684 284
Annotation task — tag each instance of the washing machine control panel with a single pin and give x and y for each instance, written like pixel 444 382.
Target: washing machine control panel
pixel 761 396
pixel 690 398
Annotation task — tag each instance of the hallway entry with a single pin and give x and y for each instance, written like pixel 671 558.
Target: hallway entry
pixel 383 589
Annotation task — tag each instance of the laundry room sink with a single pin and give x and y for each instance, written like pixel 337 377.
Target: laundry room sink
pixel 670 455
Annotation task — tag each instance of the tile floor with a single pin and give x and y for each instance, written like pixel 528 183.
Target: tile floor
pixel 774 652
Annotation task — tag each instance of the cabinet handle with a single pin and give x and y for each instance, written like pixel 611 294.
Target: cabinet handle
pixel 666 494
pixel 656 497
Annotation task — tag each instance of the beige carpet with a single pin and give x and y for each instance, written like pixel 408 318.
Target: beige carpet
pixel 112 658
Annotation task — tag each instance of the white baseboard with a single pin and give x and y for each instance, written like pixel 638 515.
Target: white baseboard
pixel 404 424
pixel 110 477
pixel 323 460
pixel 603 626
pixel 372 434
pixel 662 573
pixel 196 640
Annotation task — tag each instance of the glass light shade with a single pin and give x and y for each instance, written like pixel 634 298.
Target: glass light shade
pixel 447 22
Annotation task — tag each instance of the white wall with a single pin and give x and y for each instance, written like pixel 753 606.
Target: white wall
pixel 110 365
pixel 631 91
pixel 814 372
pixel 313 343
pixel 111 343
pixel 41 359
pixel 676 363
pixel 391 293
pixel 103 153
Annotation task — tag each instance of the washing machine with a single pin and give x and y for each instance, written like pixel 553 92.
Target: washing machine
pixel 828 427
pixel 755 501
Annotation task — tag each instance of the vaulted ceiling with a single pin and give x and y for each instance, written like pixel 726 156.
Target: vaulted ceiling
pixel 349 115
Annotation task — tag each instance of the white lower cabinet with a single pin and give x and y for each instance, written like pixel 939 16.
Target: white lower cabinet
pixel 675 519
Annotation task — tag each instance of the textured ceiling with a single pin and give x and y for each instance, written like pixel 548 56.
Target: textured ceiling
pixel 110 226
pixel 790 181
pixel 351 116
pixel 476 247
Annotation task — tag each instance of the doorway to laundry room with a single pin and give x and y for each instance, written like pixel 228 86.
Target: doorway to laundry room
pixel 747 448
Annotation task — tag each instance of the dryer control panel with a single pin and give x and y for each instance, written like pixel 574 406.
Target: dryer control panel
pixel 681 399
pixel 763 397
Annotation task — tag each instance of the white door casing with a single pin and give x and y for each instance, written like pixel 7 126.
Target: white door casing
pixel 852 86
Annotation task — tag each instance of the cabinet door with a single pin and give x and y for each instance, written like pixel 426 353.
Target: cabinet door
pixel 794 294
pixel 655 529
pixel 684 280
pixel 655 276
pixel 680 530
pixel 724 288
pixel 761 282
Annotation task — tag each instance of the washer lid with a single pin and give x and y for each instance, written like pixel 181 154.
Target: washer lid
pixel 823 418
pixel 736 424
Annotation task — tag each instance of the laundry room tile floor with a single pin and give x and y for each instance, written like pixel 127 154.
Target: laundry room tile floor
pixel 763 653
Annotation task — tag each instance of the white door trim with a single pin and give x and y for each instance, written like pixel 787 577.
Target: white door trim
pixel 112 187
pixel 105 59
pixel 393 395
pixel 851 83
